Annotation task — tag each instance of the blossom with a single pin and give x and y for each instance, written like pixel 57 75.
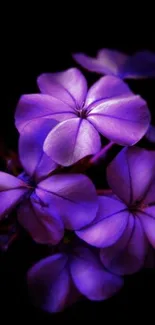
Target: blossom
pixel 46 203
pixel 59 280
pixel 125 222
pixel 111 62
pixel 108 107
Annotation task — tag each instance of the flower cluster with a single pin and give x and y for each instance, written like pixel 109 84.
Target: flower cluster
pixel 97 238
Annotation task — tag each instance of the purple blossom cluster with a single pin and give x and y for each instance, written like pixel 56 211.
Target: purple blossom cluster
pixel 96 238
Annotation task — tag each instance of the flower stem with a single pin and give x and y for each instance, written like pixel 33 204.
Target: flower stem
pixel 101 154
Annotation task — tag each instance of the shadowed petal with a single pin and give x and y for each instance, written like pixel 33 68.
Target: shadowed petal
pixel 36 106
pixel 135 168
pixel 127 256
pixel 113 60
pixel 35 162
pixel 150 135
pixel 147 217
pixel 140 65
pixel 123 120
pixel 108 226
pixel 90 277
pixel 70 86
pixel 106 62
pixel 12 190
pixel 36 217
pixel 107 87
pixel 72 140
pixel 74 197
pixel 91 64
pixel 49 283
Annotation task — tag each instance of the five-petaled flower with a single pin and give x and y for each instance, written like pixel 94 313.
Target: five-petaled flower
pixel 60 279
pixel 126 219
pixel 46 204
pixel 109 108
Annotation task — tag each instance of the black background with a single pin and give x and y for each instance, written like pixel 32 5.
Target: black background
pixel 32 44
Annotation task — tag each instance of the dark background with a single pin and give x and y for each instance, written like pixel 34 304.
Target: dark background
pixel 33 44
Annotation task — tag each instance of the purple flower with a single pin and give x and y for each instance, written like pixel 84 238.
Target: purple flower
pixel 109 108
pixel 46 204
pixel 126 219
pixel 150 135
pixel 59 280
pixel 110 62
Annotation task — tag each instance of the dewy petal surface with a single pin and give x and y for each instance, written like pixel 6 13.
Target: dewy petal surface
pixel 39 106
pixel 70 86
pixel 123 120
pixel 73 196
pixel 42 223
pixel 72 140
pixel 49 283
pixel 135 169
pixel 109 224
pixel 106 88
pixel 35 162
pixel 128 254
pixel 90 277
pixel 12 190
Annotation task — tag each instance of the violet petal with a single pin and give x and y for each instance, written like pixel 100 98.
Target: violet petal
pixel 109 224
pixel 90 277
pixel 38 106
pixel 44 225
pixel 74 197
pixel 72 140
pixel 147 217
pixel 123 120
pixel 106 88
pixel 70 86
pixel 12 189
pixel 35 162
pixel 49 283
pixel 127 256
pixel 135 169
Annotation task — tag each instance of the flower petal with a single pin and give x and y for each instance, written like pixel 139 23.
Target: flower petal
pixel 90 277
pixel 114 61
pixel 72 140
pixel 108 62
pixel 35 162
pixel 140 65
pixel 74 197
pixel 150 135
pixel 135 168
pixel 147 217
pixel 123 120
pixel 12 190
pixel 108 226
pixel 36 217
pixel 38 106
pixel 49 283
pixel 105 88
pixel 70 86
pixel 127 256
